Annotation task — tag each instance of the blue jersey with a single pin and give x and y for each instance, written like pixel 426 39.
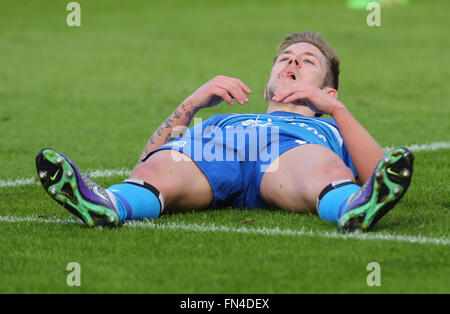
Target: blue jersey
pixel 315 130
pixel 233 150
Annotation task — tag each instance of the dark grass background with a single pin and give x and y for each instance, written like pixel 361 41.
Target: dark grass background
pixel 131 63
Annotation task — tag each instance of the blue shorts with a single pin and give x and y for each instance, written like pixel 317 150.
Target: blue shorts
pixel 234 159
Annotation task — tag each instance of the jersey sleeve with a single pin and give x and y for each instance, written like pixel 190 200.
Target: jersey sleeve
pixel 215 119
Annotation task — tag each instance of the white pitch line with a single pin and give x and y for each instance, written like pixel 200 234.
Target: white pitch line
pixel 93 173
pixel 16 182
pixel 192 227
pixel 126 172
pixel 423 147
pixel 16 219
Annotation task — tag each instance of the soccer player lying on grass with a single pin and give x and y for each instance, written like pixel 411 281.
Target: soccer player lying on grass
pixel 298 162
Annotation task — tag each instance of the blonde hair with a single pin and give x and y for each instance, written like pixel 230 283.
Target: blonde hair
pixel 332 76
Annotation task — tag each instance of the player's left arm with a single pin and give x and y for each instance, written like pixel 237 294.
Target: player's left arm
pixel 363 148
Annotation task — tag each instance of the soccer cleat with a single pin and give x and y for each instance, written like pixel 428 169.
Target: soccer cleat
pixel 74 191
pixel 386 186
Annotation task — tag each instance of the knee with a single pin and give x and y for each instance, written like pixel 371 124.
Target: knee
pixel 158 174
pixel 327 172
pixel 147 169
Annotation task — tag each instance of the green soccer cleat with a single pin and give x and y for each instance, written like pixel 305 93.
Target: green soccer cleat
pixel 386 186
pixel 74 191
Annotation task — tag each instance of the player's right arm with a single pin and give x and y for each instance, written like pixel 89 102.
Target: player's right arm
pixel 221 88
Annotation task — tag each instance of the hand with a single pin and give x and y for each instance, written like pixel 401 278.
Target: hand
pixel 221 88
pixel 306 94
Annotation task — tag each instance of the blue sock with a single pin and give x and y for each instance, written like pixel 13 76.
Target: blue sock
pixel 137 199
pixel 332 200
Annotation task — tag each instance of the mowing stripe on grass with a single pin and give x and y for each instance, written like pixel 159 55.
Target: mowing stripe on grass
pixel 126 172
pixel 261 231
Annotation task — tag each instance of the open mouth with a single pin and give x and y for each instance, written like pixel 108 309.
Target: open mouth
pixel 289 74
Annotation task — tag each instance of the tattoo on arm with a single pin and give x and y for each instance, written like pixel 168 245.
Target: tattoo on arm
pixel 159 130
pixel 186 112
pixel 167 124
pixel 176 114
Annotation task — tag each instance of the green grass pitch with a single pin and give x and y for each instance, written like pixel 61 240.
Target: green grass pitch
pixel 97 92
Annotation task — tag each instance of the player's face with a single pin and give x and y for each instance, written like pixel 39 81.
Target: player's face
pixel 301 62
